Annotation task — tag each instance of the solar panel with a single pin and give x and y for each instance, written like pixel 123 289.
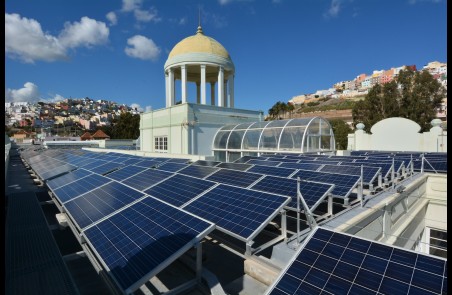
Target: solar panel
pixel 57 171
pixel 81 186
pixel 206 163
pixel 138 242
pixel 67 178
pixel 171 167
pixel 237 211
pixel 125 172
pixel 179 189
pixel 234 177
pixel 313 192
pixel 132 161
pixel 234 166
pixel 100 202
pixel 369 173
pixel 343 184
pixel 148 163
pixel 93 164
pixel 145 179
pixel 275 171
pixel 177 160
pixel 245 159
pixel 263 163
pixel 304 166
pixel 430 166
pixel 197 171
pixel 338 263
pixel 107 167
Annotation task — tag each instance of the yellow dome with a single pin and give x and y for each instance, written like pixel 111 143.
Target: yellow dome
pixel 199 43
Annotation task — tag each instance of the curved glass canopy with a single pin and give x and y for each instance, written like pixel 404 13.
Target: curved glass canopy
pixel 299 135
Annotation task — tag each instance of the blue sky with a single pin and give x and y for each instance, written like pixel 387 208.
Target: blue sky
pixel 116 49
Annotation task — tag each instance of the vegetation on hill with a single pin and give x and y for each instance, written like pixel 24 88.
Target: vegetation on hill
pixel 127 126
pixel 413 95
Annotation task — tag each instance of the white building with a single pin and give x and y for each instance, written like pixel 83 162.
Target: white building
pixel 189 126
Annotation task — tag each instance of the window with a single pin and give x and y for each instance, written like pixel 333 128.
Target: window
pixel 161 144
pixel 438 243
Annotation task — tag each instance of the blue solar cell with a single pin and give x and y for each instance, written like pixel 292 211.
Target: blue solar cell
pixel 171 167
pixel 133 243
pixel 178 160
pixel 275 171
pixel 100 202
pixel 369 173
pixel 145 179
pixel 57 171
pixel 81 186
pixel 343 184
pixel 198 171
pixel 107 167
pixel 245 159
pixel 93 164
pixel 125 172
pixel 313 192
pixel 327 262
pixel 179 189
pixel 67 178
pixel 234 177
pixel 240 212
pixel 305 166
pixel 234 166
pixel 263 163
pixel 147 163
pixel 206 163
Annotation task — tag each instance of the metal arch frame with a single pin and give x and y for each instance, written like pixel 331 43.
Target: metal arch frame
pixel 304 133
pixel 280 135
pixel 260 137
pixel 227 141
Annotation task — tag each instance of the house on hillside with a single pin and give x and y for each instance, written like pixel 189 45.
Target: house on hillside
pixel 99 134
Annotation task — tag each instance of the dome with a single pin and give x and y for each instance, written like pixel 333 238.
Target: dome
pixel 199 48
pixel 199 43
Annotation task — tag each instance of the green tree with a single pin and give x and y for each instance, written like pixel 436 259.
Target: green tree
pixel 126 127
pixel 412 95
pixel 341 130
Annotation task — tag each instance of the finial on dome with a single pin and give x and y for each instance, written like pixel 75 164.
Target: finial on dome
pixel 199 31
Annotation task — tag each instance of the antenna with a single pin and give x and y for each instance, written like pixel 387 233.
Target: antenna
pixel 199 16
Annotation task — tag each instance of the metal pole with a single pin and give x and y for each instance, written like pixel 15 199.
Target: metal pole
pixel 298 211
pixel 422 164
pixel 392 174
pixel 361 186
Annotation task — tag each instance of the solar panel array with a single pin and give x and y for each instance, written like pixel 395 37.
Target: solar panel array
pixel 313 192
pixel 240 212
pixel 240 198
pixel 133 247
pixel 336 263
pixel 343 184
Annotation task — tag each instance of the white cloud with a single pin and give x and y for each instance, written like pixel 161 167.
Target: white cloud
pixel 87 32
pixel 183 21
pixel 334 9
pixel 148 108
pixel 25 40
pixel 136 106
pixel 130 5
pixel 111 16
pixel 142 48
pixel 146 15
pixel 29 93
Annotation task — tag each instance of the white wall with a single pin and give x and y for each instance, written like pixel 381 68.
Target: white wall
pixel 398 134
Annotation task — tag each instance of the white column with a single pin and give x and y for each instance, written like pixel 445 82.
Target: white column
pixel 203 84
pixel 167 90
pixel 212 93
pixel 198 93
pixel 231 91
pixel 183 71
pixel 220 87
pixel 171 87
pixel 225 95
